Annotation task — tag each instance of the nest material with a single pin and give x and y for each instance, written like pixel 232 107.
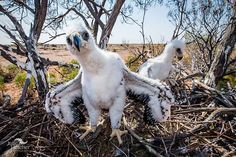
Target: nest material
pixel 201 125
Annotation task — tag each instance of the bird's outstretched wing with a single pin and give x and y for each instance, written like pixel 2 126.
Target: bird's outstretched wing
pixel 61 101
pixel 156 95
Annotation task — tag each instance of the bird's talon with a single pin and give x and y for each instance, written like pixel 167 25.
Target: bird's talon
pixel 118 133
pixel 88 130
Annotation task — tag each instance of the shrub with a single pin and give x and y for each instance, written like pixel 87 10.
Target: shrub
pixel 71 75
pixel 12 71
pixel 2 83
pixel 228 79
pixel 74 61
pixel 20 80
pixel 69 72
pixel 53 79
pixel 135 65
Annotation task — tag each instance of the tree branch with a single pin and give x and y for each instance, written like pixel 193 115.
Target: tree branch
pixel 15 22
pixel 12 59
pixel 13 37
pixel 93 14
pixel 40 16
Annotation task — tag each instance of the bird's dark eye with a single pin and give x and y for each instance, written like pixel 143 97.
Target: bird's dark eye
pixel 68 40
pixel 178 50
pixel 85 36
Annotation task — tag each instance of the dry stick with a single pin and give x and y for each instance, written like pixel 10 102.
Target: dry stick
pixel 200 126
pixel 229 153
pixel 149 148
pixel 69 141
pixel 210 117
pixel 191 110
pixel 229 104
pixel 40 131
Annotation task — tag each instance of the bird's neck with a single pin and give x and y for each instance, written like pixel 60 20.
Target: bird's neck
pixel 167 55
pixel 92 60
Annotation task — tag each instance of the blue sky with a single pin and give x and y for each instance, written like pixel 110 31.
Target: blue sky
pixel 157 26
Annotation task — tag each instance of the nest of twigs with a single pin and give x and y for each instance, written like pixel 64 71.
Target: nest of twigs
pixel 202 124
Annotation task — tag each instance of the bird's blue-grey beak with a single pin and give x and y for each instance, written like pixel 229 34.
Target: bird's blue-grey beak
pixel 77 41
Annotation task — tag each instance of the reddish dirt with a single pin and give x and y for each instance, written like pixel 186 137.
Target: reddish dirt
pixel 13 90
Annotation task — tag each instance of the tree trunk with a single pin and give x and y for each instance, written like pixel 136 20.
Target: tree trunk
pixel 219 64
pixel 106 32
pixel 37 68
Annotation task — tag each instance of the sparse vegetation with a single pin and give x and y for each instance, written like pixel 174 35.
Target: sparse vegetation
pixel 11 71
pixel 69 72
pixel 1 83
pixel 53 80
pixel 20 78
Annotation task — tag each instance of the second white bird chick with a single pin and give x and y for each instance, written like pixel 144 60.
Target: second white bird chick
pixel 161 66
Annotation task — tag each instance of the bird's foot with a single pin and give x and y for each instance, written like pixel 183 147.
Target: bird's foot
pixel 88 130
pixel 118 133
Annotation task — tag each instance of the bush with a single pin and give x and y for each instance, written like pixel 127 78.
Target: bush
pixel 227 80
pixel 69 72
pixel 20 80
pixel 135 65
pixel 74 61
pixel 53 79
pixel 12 71
pixel 1 83
pixel 71 75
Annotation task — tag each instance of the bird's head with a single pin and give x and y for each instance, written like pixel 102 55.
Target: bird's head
pixel 80 40
pixel 178 47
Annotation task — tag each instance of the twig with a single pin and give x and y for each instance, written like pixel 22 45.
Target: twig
pixel 149 148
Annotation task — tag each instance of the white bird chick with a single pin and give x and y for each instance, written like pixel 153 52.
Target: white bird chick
pixel 160 67
pixel 103 82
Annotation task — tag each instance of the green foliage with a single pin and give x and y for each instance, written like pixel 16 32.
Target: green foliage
pixel 1 71
pixel 1 82
pixel 72 74
pixel 133 66
pixel 53 79
pixel 12 70
pixel 228 79
pixel 20 80
pixel 69 72
pixel 74 61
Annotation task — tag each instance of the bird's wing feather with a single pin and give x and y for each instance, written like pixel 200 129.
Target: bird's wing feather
pixel 155 94
pixel 61 101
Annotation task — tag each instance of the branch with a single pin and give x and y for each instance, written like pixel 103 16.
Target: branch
pixel 21 101
pixel 52 38
pixel 106 31
pixel 12 59
pixel 26 6
pixel 13 37
pixel 83 18
pixel 227 102
pixel 14 50
pixel 145 144
pixel 40 16
pixel 199 127
pixel 100 6
pixel 60 16
pixel 15 22
pixel 93 14
pixel 48 62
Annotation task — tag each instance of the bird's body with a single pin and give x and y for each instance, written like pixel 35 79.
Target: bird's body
pixel 96 80
pixel 102 78
pixel 160 67
pixel 103 83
